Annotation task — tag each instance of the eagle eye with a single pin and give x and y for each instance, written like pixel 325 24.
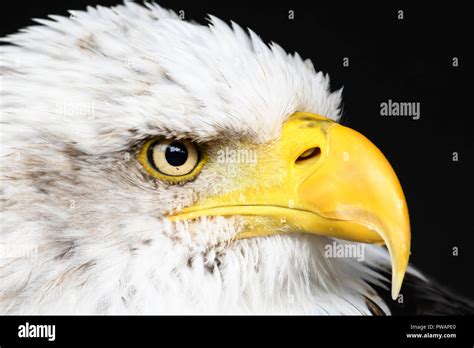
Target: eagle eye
pixel 173 161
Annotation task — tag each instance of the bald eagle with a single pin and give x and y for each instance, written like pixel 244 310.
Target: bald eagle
pixel 152 165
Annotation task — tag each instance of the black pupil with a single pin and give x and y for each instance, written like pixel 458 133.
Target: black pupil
pixel 176 154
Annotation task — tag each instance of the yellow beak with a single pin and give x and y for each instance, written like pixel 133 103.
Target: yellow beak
pixel 321 178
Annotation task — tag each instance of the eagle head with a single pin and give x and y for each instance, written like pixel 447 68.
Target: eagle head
pixel 161 166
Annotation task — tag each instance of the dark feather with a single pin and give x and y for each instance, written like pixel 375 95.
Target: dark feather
pixel 425 298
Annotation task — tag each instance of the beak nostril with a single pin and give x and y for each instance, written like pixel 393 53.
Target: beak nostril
pixel 309 154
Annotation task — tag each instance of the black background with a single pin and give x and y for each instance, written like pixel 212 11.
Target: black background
pixel 407 60
pixel 316 330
